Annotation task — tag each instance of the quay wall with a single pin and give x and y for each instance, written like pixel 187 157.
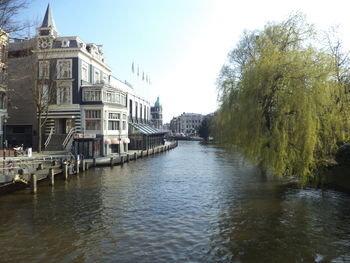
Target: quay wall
pixel 33 171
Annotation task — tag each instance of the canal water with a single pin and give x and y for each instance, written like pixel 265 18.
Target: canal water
pixel 195 203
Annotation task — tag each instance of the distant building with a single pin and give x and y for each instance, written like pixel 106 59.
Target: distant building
pixel 3 84
pixel 157 115
pixel 186 123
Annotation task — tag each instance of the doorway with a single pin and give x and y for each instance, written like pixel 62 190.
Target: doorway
pixel 63 126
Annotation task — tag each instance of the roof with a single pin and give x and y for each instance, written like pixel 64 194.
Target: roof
pixel 157 103
pixel 48 19
pixel 146 129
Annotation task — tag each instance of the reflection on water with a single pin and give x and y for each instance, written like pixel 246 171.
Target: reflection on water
pixel 192 204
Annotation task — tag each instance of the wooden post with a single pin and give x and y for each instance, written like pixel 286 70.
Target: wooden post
pixel 86 166
pixel 122 160
pixel 52 176
pixel 65 169
pixel 135 156
pixel 111 162
pixel 142 154
pixel 94 162
pixel 147 152
pixel 34 183
pixel 77 166
pixel 127 157
pixel 83 165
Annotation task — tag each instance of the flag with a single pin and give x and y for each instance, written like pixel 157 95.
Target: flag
pixel 138 71
pixel 132 68
pixel 146 78
pixel 143 75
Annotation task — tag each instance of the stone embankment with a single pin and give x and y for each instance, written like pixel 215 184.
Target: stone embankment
pixel 29 172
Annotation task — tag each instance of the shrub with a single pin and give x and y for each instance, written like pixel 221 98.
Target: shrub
pixel 343 155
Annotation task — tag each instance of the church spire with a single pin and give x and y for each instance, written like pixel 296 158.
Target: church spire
pixel 48 27
pixel 48 19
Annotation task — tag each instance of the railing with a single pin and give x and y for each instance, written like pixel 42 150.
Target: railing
pixel 48 138
pixel 67 139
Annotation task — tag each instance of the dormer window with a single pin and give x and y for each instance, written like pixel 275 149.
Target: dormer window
pixel 65 43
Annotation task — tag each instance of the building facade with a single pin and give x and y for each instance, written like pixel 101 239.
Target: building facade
pixel 83 98
pixel 186 124
pixel 64 85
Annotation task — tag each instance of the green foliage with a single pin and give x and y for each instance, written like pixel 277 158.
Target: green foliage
pixel 343 155
pixel 281 101
pixel 204 130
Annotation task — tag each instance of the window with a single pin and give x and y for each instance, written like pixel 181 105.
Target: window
pixel 114 121
pixel 64 68
pixel 113 97
pixel 64 93
pixel 85 71
pixel 45 94
pixel 124 122
pixel 91 95
pixel 105 78
pixel 123 99
pixel 140 111
pixel 97 76
pixel 93 120
pixel 44 69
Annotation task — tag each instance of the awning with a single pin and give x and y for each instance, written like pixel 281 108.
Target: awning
pixel 115 141
pixel 126 140
pixel 146 129
pixel 108 141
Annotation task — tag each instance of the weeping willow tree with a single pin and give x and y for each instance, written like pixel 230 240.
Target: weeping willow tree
pixel 281 101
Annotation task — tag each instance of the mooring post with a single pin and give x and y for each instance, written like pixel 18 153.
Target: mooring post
pixel 147 152
pixel 77 166
pixel 122 160
pixel 34 183
pixel 111 162
pixel 141 154
pixel 86 166
pixel 135 156
pixel 94 162
pixel 51 177
pixel 83 165
pixel 127 157
pixel 65 167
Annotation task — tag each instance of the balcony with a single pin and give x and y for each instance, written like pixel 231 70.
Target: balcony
pixel 102 93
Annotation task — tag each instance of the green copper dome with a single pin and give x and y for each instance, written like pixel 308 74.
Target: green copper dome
pixel 157 104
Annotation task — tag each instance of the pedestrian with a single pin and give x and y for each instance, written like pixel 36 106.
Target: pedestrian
pixel 10 167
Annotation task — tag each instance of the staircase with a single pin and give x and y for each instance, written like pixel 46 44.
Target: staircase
pixel 56 142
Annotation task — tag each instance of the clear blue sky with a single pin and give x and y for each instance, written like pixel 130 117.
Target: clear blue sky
pixel 180 44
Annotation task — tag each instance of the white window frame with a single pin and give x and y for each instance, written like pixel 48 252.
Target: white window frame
pixel 92 94
pixel 60 87
pixel 61 71
pixel 97 76
pixel 115 117
pixel 93 115
pixel 44 69
pixel 84 77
